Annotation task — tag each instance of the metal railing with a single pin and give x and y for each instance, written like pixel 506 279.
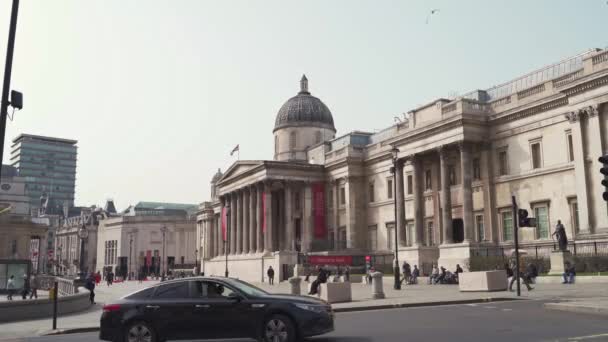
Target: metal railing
pixel 66 286
pixel 543 250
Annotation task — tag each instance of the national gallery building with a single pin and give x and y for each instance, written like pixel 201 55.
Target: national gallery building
pixel 457 164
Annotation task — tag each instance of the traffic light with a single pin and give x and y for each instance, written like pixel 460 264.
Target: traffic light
pixel 524 220
pixel 604 171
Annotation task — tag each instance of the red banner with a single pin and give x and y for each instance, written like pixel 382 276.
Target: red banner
pixel 330 260
pixel 318 205
pixel 263 212
pixel 148 258
pixel 224 224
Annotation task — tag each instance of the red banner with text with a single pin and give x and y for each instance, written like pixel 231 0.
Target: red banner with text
pixel 318 205
pixel 330 260
pixel 224 224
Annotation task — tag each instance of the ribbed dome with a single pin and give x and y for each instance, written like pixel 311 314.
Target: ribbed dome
pixel 304 110
pixel 217 176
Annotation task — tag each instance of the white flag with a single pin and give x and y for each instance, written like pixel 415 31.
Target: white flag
pixel 235 149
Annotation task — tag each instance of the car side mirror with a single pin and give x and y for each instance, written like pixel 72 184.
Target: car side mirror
pixel 235 297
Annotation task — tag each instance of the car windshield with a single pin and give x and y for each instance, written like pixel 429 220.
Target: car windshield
pixel 248 289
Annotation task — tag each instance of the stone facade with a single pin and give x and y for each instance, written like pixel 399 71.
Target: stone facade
pixel 68 243
pixel 459 161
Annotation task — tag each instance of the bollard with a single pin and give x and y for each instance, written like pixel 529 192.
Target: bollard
pixel 55 292
pixel 377 287
pixel 295 285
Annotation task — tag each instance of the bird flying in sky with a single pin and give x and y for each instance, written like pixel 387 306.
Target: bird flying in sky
pixel 433 11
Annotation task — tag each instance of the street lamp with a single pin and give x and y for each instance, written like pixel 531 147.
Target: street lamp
pixel 196 262
pixel 164 230
pixel 130 255
pixel 395 153
pixel 227 236
pixel 83 233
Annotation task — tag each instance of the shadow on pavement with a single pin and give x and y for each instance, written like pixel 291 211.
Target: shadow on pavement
pixel 339 339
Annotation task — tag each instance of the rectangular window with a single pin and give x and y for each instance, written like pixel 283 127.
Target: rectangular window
pixel 390 235
pixel 536 156
pixel 410 188
pixel 430 234
pixel 372 238
pixel 332 239
pixel 542 222
pixel 297 200
pixel 409 232
pixel 507 226
pixel 481 233
pixel 503 166
pixel 476 169
pixel 570 148
pixel 574 215
pixel 371 192
pixel 452 174
pixel 342 196
pixel 389 188
pixel 428 182
pixel 331 198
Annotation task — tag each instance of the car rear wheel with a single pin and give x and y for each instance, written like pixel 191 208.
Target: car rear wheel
pixel 140 332
pixel 279 328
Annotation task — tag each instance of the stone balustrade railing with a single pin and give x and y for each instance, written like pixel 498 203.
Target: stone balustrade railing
pixel 66 286
pixel 600 58
pixel 569 78
pixel 531 91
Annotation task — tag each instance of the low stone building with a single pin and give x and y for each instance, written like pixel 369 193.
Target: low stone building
pixel 149 237
pixel 68 242
pixel 23 237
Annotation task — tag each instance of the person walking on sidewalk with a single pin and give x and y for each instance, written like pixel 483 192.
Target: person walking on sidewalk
pixel 26 287
pixel 34 286
pixel 10 287
pixel 110 278
pixel 270 274
pixel 519 275
pixel 90 285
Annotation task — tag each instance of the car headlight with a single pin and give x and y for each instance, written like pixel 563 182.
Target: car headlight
pixel 310 307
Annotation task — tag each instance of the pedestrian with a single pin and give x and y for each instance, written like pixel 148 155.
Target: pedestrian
pixel 97 278
pixel 407 273
pixel 457 273
pixel 10 287
pixel 110 278
pixel 434 275
pixel 519 274
pixel 347 273
pixel 90 285
pixel 569 274
pixel 270 274
pixel 531 273
pixel 415 275
pixel 26 287
pixel 321 279
pixel 34 287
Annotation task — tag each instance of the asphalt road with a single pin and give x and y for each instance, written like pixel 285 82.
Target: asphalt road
pixel 505 321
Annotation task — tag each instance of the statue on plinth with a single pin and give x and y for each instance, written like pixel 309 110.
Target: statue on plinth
pixel 560 235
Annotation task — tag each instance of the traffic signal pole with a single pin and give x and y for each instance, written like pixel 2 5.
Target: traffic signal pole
pixel 516 238
pixel 10 46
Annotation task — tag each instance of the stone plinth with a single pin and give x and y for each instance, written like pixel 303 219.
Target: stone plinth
pixel 558 261
pixel 336 292
pixel 377 287
pixel 295 285
pixel 452 254
pixel 418 256
pixel 483 281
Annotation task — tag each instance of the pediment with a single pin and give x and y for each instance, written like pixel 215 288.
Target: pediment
pixel 240 167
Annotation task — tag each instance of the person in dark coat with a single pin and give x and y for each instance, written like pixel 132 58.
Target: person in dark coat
pixel 321 279
pixel 90 285
pixel 26 287
pixel 270 274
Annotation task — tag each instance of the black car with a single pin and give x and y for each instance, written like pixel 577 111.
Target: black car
pixel 209 307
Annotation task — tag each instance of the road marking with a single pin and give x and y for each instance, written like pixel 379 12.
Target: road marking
pixel 589 337
pixel 507 309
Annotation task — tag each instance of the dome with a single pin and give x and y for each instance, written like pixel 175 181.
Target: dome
pixel 304 110
pixel 217 176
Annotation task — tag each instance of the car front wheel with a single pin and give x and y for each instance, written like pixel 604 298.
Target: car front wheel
pixel 279 328
pixel 140 332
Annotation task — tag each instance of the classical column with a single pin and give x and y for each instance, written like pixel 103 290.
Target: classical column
pixel 259 216
pixel 307 219
pixel 418 202
pixel 446 199
pixel 289 225
pixel 207 238
pixel 220 237
pixel 233 214
pixel 466 168
pixel 268 235
pixel 336 218
pixel 580 171
pixel 489 193
pixel 245 234
pixel 252 220
pixel 239 222
pixel 595 150
pixel 400 200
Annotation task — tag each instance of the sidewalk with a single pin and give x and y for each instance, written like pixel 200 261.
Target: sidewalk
pixel 409 296
pixel 582 305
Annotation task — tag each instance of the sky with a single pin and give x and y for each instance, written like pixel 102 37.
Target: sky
pixel 157 93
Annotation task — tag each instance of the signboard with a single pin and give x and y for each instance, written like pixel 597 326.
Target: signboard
pixel 318 206
pixel 330 259
pixel 224 223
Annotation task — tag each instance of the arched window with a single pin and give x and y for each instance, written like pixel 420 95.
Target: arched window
pixel 317 137
pixel 292 140
pixel 276 144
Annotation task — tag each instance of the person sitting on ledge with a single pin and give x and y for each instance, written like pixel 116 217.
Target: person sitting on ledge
pixel 569 274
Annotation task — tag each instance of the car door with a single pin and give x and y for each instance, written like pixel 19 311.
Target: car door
pixel 171 311
pixel 223 313
pixel 202 319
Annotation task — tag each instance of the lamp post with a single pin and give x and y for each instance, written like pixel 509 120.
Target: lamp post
pixel 130 255
pixel 395 152
pixel 59 260
pixel 227 236
pixel 83 233
pixel 164 266
pixel 196 262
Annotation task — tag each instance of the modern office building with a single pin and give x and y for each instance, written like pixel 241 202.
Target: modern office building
pixel 48 166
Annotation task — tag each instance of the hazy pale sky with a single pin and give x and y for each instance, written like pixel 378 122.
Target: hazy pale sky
pixel 157 93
